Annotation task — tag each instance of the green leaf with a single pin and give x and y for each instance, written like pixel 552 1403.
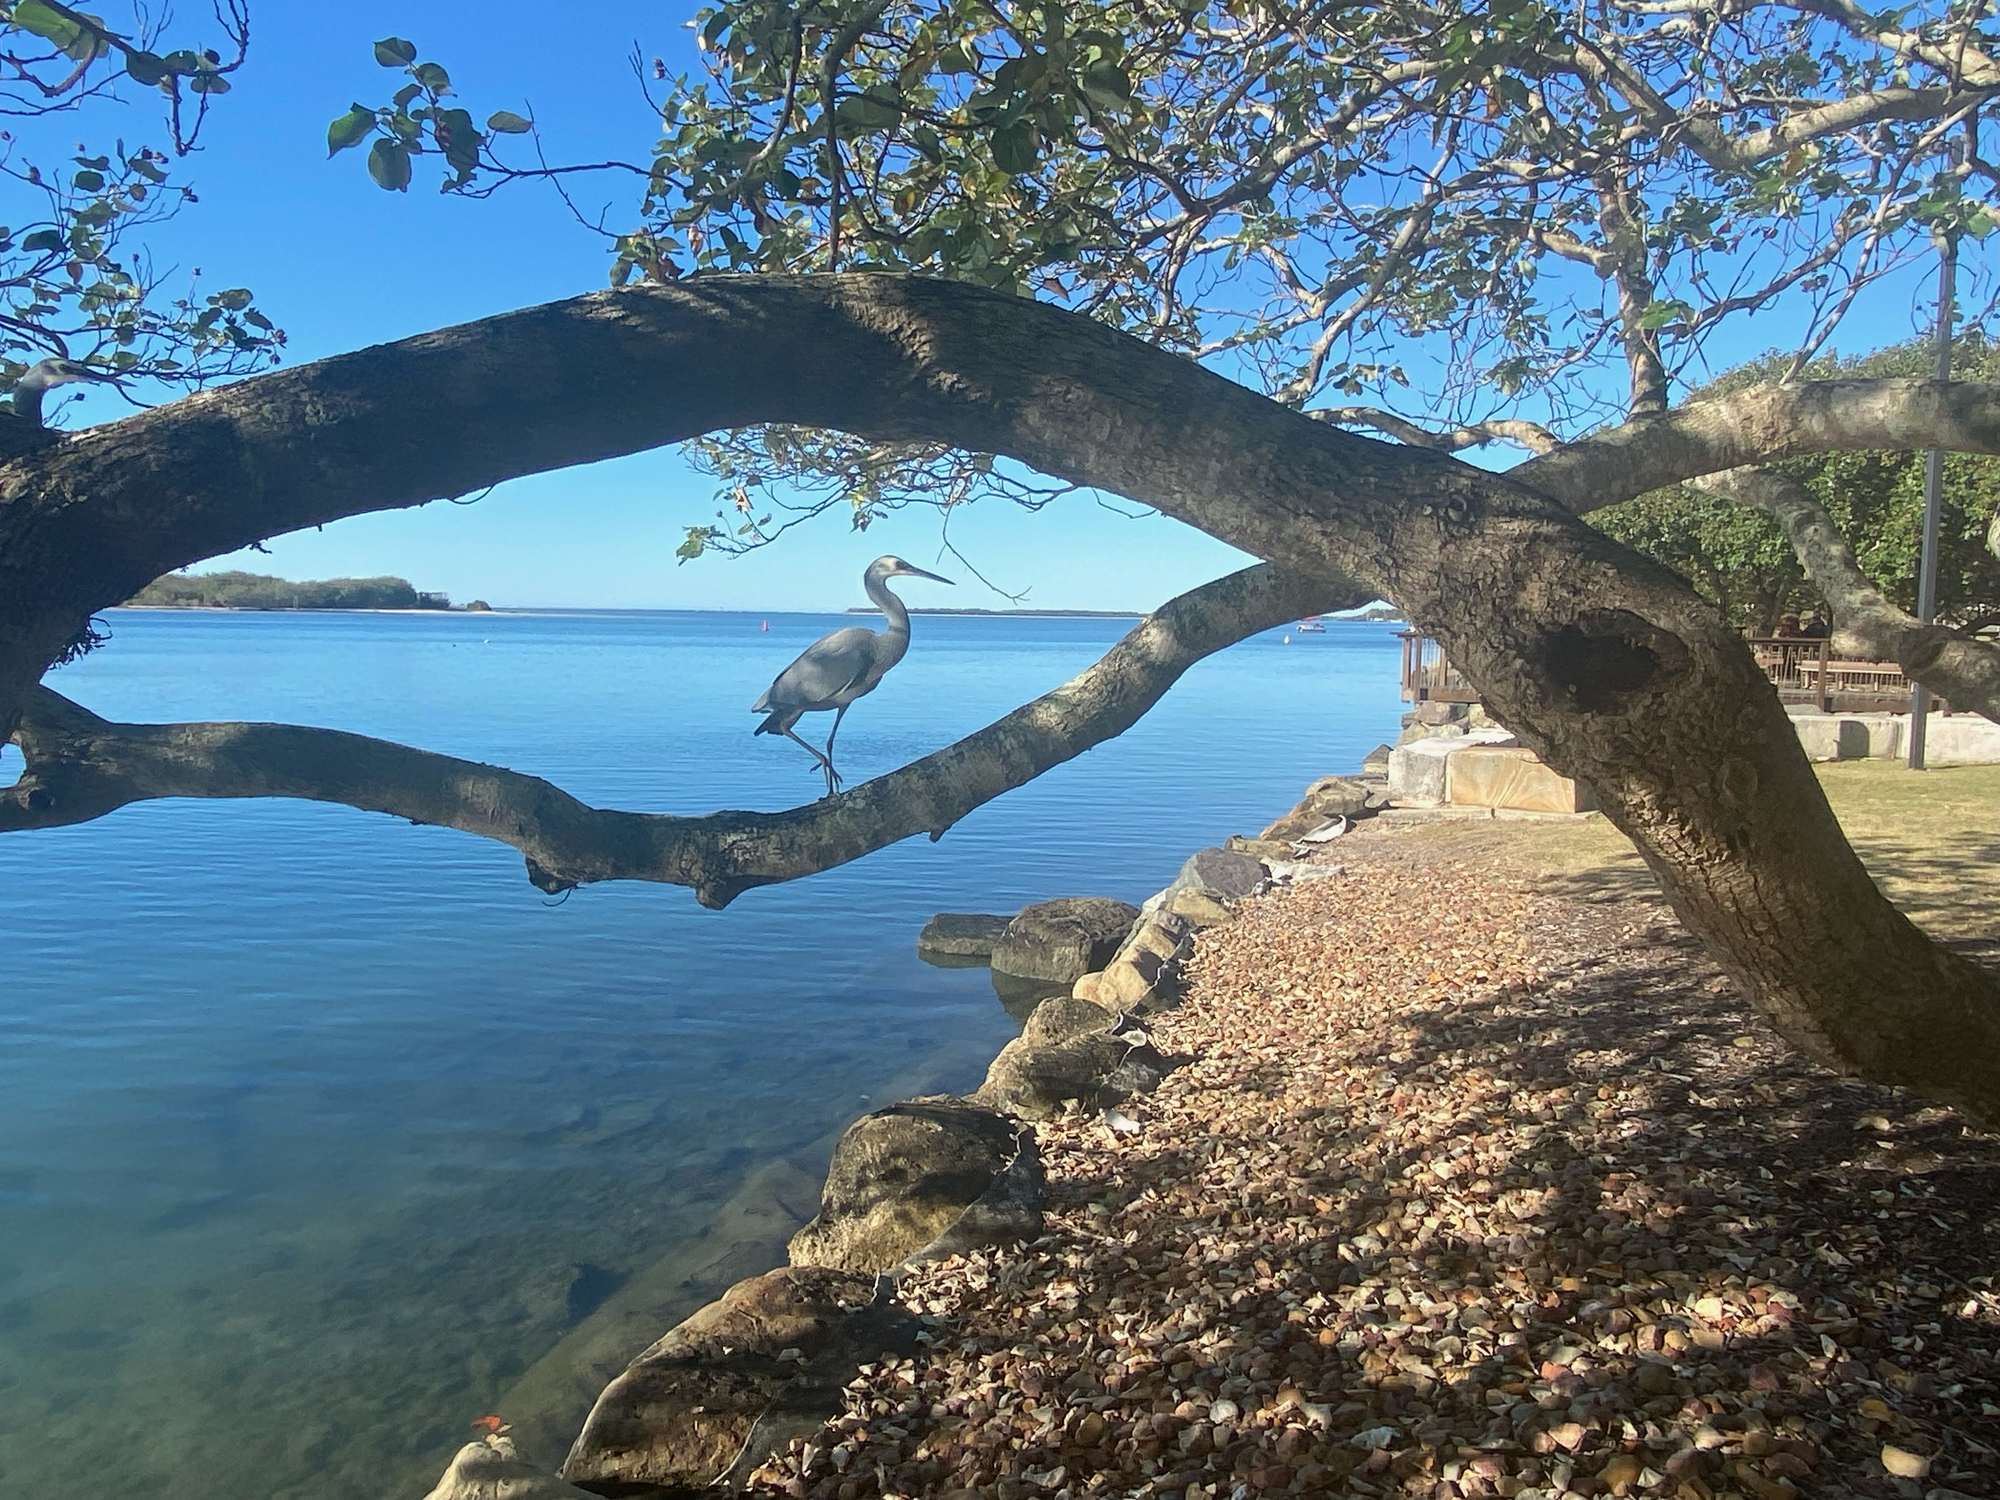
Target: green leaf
pixel 43 239
pixel 88 181
pixel 350 129
pixel 434 78
pixel 508 123
pixel 459 137
pixel 1660 314
pixel 1106 86
pixel 1016 147
pixel 45 21
pixel 145 68
pixel 235 299
pixel 875 108
pixel 389 165
pixel 394 52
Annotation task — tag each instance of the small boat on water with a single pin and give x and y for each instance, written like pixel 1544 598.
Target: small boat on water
pixel 1312 625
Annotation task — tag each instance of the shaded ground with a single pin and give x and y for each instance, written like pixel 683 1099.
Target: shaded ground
pixel 1484 1183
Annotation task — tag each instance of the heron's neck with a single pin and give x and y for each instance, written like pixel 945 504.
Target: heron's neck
pixel 28 398
pixel 891 607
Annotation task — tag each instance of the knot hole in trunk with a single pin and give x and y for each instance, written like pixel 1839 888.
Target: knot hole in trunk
pixel 1606 657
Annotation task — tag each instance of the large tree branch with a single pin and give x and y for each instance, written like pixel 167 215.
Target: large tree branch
pixel 82 767
pixel 1530 435
pixel 1610 667
pixel 1762 424
pixel 1963 671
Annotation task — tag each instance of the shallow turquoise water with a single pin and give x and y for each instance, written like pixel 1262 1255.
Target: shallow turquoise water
pixel 309 1118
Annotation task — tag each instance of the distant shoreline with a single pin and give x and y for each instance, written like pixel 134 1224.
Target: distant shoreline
pixel 296 609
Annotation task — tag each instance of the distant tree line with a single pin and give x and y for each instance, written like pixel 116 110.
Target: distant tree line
pixel 236 590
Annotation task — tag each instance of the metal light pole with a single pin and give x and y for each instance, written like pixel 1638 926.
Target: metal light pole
pixel 1920 696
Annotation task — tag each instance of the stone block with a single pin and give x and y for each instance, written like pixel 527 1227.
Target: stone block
pixel 1823 736
pixel 1501 777
pixel 1417 770
pixel 1961 740
pixel 1880 736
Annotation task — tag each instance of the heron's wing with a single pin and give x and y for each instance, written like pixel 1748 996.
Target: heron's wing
pixel 826 669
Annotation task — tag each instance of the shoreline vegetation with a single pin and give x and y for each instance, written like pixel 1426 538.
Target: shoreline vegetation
pixel 239 590
pixel 1513 1234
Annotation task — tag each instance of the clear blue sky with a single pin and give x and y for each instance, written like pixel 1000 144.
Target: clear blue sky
pixel 340 264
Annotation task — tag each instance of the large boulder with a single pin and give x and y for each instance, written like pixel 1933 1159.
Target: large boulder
pixel 1039 1080
pixel 736 1382
pixel 927 1178
pixel 954 934
pixel 1134 980
pixel 1061 941
pixel 1162 934
pixel 491 1470
pixel 1326 799
pixel 1060 1018
pixel 1211 882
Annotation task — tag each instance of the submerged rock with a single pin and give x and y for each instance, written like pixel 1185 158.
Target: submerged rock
pixel 954 934
pixel 736 1382
pixel 1019 997
pixel 1061 941
pixel 930 1177
pixel 491 1470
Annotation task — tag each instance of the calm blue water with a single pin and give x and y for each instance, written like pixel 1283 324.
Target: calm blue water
pixel 308 1117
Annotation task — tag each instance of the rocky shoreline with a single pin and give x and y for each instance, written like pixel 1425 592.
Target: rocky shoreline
pixel 724 1392
pixel 1390 1174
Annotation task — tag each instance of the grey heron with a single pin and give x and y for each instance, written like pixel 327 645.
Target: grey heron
pixel 21 423
pixel 838 668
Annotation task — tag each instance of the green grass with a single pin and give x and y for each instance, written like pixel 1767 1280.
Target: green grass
pixel 1931 839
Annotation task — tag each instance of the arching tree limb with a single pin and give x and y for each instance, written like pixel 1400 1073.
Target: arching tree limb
pixel 1760 425
pixel 1606 664
pixel 81 767
pixel 1965 672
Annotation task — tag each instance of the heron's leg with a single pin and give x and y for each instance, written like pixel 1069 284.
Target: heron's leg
pixel 814 751
pixel 839 714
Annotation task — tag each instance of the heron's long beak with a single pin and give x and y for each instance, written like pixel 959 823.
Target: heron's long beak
pixel 920 573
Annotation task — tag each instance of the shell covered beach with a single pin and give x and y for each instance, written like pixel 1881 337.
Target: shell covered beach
pixel 1476 1180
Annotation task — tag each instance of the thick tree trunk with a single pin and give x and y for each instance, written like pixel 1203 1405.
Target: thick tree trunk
pixel 1605 663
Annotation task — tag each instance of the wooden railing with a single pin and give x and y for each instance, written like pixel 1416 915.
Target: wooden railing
pixel 1427 676
pixel 1803 669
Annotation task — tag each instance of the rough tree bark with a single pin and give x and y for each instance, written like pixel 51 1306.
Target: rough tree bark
pixel 1603 662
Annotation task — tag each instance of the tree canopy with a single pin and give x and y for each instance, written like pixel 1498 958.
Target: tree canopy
pixel 1455 226
pixel 76 279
